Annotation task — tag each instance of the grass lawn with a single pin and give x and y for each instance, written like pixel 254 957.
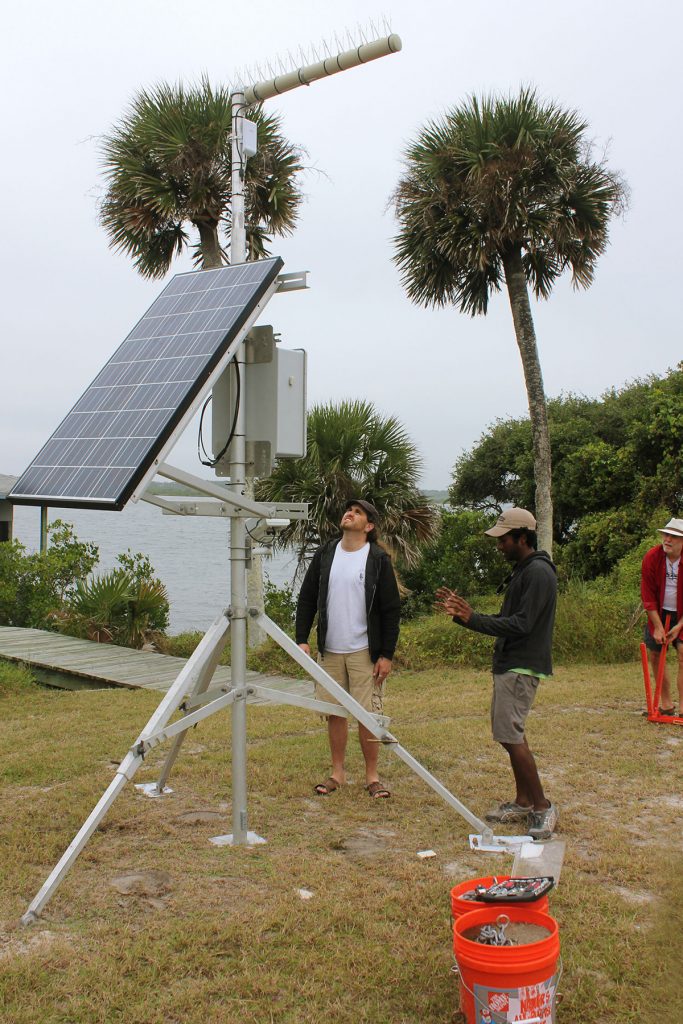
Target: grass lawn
pixel 224 934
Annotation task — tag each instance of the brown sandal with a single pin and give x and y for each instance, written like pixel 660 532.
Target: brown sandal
pixel 327 787
pixel 378 791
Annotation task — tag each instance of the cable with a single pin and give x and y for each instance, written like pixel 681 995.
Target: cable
pixel 207 460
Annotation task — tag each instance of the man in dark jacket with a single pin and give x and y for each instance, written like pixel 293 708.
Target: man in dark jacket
pixel 521 657
pixel 351 586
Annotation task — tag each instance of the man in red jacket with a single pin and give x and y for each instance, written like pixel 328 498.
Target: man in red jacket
pixel 661 590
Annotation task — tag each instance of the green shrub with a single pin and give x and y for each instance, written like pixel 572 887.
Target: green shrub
pixel 591 626
pixel 461 557
pixel 51 590
pixel 601 540
pixel 181 645
pixel 280 604
pixel 14 679
pixel 595 625
pixel 33 586
pixel 434 641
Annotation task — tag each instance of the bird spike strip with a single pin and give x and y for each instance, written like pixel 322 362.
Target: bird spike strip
pixel 278 65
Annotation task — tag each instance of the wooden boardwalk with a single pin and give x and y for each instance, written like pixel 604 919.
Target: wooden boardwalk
pixel 92 664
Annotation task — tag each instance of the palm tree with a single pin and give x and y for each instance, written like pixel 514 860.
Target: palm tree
pixel 353 452
pixel 167 164
pixel 505 190
pixel 115 608
pixel 167 167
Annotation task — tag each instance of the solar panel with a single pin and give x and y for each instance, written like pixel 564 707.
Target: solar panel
pixel 105 445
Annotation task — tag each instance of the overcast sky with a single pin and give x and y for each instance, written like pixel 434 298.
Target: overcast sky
pixel 71 68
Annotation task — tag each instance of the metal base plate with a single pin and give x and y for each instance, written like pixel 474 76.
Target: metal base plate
pixel 252 840
pixel 499 844
pixel 151 789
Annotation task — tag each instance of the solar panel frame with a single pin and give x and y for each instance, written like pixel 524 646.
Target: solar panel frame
pixel 176 341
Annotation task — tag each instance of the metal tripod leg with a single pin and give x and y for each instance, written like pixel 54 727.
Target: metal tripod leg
pixel 370 722
pixel 155 789
pixel 187 678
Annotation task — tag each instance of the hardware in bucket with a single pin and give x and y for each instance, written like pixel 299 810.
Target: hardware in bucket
pixel 505 983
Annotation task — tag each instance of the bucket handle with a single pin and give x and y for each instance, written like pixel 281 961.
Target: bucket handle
pixel 455 969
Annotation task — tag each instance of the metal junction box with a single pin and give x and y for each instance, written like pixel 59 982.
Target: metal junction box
pixel 274 390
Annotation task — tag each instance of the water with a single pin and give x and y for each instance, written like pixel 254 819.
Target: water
pixel 190 554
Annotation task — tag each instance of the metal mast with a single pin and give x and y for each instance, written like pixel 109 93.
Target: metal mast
pixel 241 100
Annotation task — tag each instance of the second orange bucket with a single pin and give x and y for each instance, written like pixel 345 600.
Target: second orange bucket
pixel 500 984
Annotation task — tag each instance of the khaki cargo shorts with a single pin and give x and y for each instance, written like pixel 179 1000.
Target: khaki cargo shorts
pixel 511 702
pixel 354 672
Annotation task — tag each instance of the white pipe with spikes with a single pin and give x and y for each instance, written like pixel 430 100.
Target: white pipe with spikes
pixel 322 69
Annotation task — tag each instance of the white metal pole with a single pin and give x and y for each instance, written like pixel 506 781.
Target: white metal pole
pixel 238 235
pixel 238 254
pixel 43 528
pixel 127 769
pixel 238 534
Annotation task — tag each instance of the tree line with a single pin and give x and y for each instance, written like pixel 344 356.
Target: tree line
pixel 618 463
pixel 618 476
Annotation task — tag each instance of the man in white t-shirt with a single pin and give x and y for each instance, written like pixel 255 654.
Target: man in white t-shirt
pixel 351 586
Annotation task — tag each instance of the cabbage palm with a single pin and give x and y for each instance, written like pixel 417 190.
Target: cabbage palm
pixel 353 452
pixel 505 191
pixel 167 167
pixel 115 608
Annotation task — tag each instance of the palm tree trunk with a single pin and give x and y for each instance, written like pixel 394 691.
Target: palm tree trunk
pixel 209 245
pixel 538 413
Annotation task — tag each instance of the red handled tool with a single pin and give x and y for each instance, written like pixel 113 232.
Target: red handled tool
pixel 651 699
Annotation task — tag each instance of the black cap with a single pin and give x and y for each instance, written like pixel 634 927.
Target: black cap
pixel 369 509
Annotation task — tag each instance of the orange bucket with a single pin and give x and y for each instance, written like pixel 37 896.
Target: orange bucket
pixel 500 984
pixel 459 906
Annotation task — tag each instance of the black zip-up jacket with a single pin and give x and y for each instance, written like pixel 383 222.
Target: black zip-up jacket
pixel 382 600
pixel 524 624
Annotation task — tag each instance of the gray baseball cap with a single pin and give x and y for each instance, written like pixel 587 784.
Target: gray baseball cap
pixel 367 506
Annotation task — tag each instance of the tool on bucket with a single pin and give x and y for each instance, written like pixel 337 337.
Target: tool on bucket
pixel 515 890
pixel 652 699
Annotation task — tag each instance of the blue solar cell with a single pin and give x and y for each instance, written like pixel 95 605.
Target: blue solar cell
pixel 105 445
